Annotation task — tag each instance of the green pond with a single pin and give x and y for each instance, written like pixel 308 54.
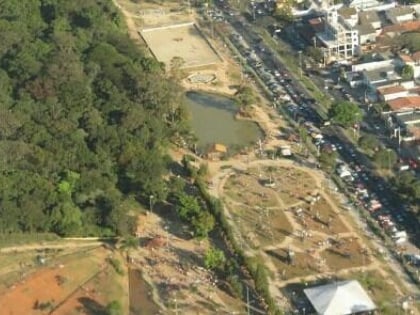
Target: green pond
pixel 213 121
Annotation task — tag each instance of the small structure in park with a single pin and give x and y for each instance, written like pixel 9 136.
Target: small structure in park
pixel 216 151
pixel 344 298
pixel 290 256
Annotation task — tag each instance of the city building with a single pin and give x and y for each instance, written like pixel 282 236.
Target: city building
pixel 338 37
pixel 400 14
pixel 406 103
pixel 344 297
pixel 390 93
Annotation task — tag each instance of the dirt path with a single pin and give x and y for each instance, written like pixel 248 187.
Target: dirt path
pixel 46 245
pixel 218 180
pixel 133 30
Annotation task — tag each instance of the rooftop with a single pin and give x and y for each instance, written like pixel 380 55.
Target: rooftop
pixel 416 56
pixel 409 118
pixel 403 27
pixel 365 29
pixel 405 58
pixel 345 297
pixel 386 73
pixel 317 24
pixel 408 102
pixel 399 11
pixel 368 17
pixel 347 12
pixel 391 90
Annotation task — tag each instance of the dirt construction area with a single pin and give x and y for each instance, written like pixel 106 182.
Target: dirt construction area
pixel 184 40
pixel 81 282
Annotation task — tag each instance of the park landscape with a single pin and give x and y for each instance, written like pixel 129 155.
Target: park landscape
pixel 281 213
pixel 286 216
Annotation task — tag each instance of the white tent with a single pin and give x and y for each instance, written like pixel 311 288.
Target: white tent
pixel 340 298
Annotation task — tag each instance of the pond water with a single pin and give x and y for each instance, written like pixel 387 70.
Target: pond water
pixel 141 302
pixel 213 121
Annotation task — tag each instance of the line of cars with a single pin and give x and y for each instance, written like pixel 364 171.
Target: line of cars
pixel 356 179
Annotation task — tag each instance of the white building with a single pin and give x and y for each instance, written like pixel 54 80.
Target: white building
pixel 400 14
pixel 344 297
pixel 339 37
pixel 392 92
pixel 370 5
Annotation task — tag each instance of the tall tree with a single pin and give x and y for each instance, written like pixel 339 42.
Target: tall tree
pixel 345 113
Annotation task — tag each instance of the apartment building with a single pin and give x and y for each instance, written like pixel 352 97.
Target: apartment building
pixel 338 37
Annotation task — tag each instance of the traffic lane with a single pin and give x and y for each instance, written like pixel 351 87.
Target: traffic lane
pixel 378 186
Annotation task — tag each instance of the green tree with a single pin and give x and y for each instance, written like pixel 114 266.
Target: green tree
pixel 245 96
pixel 407 72
pixel 328 160
pixel 385 158
pixel 408 186
pixel 67 219
pixel 188 207
pixel 315 53
pixel 77 94
pixel 303 137
pixel 214 258
pixel 203 223
pixel 114 308
pixel 284 11
pixel 368 142
pixel 345 113
pixel 175 67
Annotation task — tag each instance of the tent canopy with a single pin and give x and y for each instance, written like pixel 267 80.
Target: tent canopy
pixel 340 298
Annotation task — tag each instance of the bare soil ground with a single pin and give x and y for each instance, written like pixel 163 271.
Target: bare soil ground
pixel 184 41
pixel 148 14
pixel 174 269
pixel 301 265
pixel 261 227
pixel 73 285
pixel 250 191
pixel 346 253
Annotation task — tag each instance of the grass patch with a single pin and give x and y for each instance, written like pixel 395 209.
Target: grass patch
pixel 26 238
pixel 261 227
pixel 323 218
pixel 302 264
pixel 249 190
pixel 344 254
pixel 116 265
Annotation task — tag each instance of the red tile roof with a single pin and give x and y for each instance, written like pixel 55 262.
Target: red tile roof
pixel 416 56
pixel 408 102
pixel 406 58
pixel 391 89
pixel 403 27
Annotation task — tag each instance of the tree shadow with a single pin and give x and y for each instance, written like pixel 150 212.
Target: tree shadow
pixel 177 169
pixel 91 307
pixel 281 257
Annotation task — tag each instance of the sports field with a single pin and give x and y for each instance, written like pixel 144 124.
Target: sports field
pixel 182 40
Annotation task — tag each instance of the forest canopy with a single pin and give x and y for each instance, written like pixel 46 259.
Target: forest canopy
pixel 86 117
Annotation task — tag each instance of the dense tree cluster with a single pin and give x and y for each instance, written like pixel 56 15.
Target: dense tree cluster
pixel 345 113
pixel 85 118
pixel 409 187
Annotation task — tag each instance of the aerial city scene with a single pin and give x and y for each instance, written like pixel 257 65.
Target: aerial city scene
pixel 185 157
